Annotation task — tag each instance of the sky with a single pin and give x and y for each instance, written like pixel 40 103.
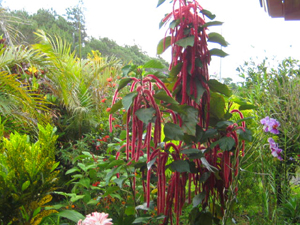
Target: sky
pixel 251 33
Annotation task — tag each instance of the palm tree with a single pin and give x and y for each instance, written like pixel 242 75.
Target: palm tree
pixel 75 83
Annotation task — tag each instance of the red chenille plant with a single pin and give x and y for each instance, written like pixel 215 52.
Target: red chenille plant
pixel 181 121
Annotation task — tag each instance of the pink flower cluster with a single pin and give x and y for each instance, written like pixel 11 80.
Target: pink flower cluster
pixel 96 219
pixel 276 151
pixel 270 125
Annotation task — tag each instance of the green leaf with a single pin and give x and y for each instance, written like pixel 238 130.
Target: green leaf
pixel 145 114
pixel 217 38
pixel 188 41
pixel 160 2
pixel 245 135
pixel 86 182
pixel 118 105
pixel 204 177
pixel 75 197
pixel 126 70
pixel 92 202
pixel 153 63
pixel 216 86
pixel 142 220
pixel 217 105
pixel 191 151
pixel 25 185
pixel 226 143
pixel 208 14
pixel 166 98
pixel 119 181
pixel 74 169
pixel 110 190
pixel 208 134
pixel 128 99
pixel 212 23
pixel 217 52
pixel 55 165
pixel 175 70
pixel 198 199
pixel 174 23
pixel 82 166
pixel 123 83
pixel 223 124
pixel 189 119
pixel 117 162
pixel 163 45
pixel 144 206
pixel 247 107
pixel 173 132
pixel 180 166
pixel 71 215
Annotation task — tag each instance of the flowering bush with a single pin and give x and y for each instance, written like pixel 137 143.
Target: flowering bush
pixel 96 219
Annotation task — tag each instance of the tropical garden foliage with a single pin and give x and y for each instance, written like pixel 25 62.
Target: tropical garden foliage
pixel 89 136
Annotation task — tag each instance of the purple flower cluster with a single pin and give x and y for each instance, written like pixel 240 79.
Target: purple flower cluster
pixel 276 151
pixel 270 125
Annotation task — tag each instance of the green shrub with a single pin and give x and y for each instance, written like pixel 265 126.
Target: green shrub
pixel 26 176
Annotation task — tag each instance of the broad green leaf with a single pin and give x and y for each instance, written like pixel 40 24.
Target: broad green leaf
pixel 199 88
pixel 174 23
pixel 92 202
pixel 74 169
pixel 216 86
pixel 217 52
pixel 163 45
pixel 128 99
pixel 86 182
pixel 110 190
pixel 190 119
pixel 224 124
pixel 153 63
pixel 175 70
pixel 123 83
pixel 71 215
pixel 204 218
pixel 226 143
pixel 25 185
pixel 166 98
pixel 145 114
pixel 117 162
pixel 119 181
pixel 217 105
pixel 217 38
pixel 208 134
pixel 180 166
pixel 126 70
pixel 82 166
pixel 173 132
pixel 109 175
pixel 191 151
pixel 198 199
pixel 245 135
pixel 118 105
pixel 212 23
pixel 208 14
pixel 160 2
pixel 204 177
pixel 188 41
pixel 75 197
pixel 142 220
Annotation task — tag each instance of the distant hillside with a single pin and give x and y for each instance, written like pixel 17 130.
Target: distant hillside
pixel 71 27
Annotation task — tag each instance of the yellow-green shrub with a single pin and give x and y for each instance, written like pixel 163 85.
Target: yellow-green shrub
pixel 27 175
